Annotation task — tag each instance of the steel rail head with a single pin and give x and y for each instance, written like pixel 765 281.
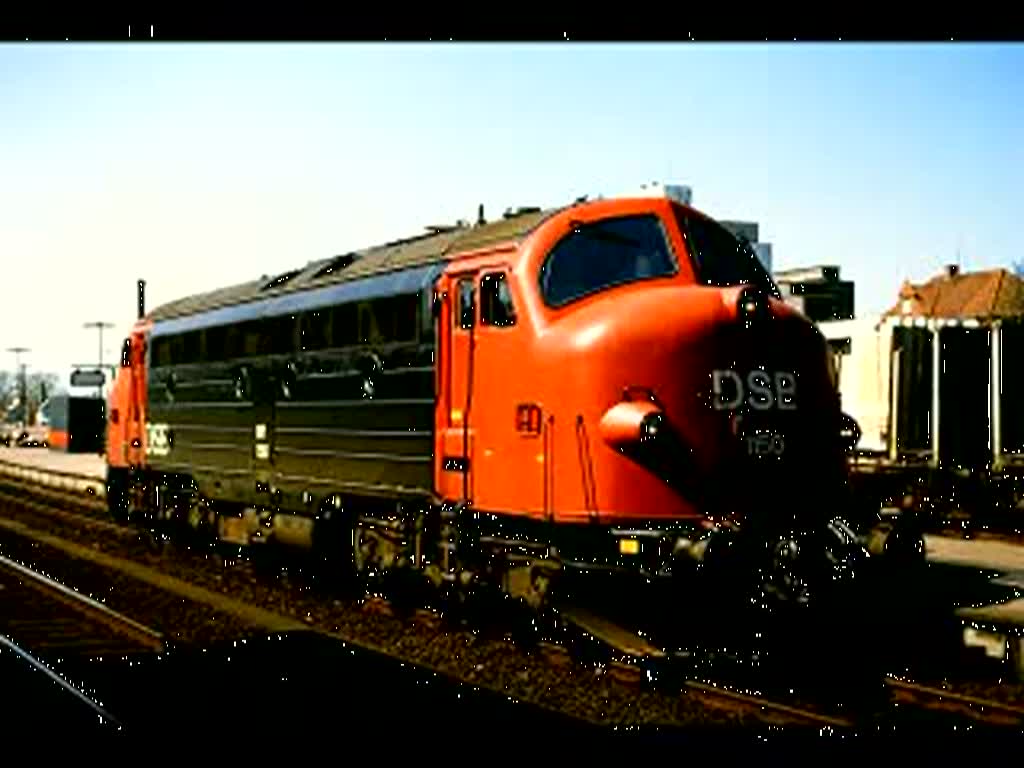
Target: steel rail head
pixel 151 636
pixel 6 642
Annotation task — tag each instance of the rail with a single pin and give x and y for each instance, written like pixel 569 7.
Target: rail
pixel 923 694
pixel 64 685
pixel 770 705
pixel 943 695
pixel 122 624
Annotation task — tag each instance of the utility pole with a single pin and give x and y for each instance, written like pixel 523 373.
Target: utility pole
pixel 23 396
pixel 100 325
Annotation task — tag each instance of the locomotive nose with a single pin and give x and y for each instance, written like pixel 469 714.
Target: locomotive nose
pixel 772 396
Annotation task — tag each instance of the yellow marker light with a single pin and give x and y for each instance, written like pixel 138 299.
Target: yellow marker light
pixel 629 546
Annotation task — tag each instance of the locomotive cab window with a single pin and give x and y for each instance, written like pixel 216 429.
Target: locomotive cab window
pixel 467 305
pixel 496 306
pixel 605 254
pixel 720 258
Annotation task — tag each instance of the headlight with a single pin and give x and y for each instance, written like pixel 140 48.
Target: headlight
pixel 650 426
pixel 629 423
pixel 751 306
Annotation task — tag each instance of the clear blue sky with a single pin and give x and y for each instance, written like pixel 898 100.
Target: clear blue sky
pixel 197 166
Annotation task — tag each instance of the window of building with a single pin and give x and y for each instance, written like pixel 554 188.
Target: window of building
pixel 496 307
pixel 604 254
pixel 839 349
pixel 721 259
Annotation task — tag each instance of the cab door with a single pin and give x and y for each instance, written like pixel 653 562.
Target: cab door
pixel 456 335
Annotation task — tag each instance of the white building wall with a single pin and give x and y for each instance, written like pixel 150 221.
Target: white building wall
pixel 864 376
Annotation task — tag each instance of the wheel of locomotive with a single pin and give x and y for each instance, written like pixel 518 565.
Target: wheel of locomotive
pixel 195 523
pixel 717 592
pixel 382 564
pixel 333 550
pixel 818 620
pixel 807 569
pixel 157 506
pixel 118 497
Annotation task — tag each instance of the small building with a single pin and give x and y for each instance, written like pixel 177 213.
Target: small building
pixel 818 292
pixel 74 424
pixel 934 379
pixel 983 295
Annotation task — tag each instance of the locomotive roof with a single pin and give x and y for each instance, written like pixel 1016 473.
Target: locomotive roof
pixel 409 253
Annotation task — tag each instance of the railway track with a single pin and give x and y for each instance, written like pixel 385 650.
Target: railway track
pixel 44 624
pixel 731 698
pixel 929 697
pixel 56 621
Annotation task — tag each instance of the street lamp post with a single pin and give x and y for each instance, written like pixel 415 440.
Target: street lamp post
pixel 23 396
pixel 100 325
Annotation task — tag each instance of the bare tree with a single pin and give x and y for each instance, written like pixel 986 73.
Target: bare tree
pixel 7 391
pixel 38 385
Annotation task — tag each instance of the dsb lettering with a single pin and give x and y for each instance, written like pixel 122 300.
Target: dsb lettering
pixel 761 391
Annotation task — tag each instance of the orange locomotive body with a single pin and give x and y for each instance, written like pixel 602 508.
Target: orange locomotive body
pixel 126 417
pixel 609 385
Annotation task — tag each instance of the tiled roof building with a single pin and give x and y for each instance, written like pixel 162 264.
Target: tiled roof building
pixel 987 294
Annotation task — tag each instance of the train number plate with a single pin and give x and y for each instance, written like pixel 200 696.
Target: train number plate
pixel 158 439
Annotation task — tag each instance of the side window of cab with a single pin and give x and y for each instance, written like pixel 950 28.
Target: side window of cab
pixel 496 305
pixel 466 315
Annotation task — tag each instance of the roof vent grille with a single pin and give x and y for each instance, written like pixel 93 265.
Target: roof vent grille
pixel 336 264
pixel 280 280
pixel 511 213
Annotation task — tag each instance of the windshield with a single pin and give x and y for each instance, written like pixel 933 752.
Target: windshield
pixel 720 258
pixel 603 254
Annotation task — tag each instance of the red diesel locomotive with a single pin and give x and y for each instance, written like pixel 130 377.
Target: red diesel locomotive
pixel 614 385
